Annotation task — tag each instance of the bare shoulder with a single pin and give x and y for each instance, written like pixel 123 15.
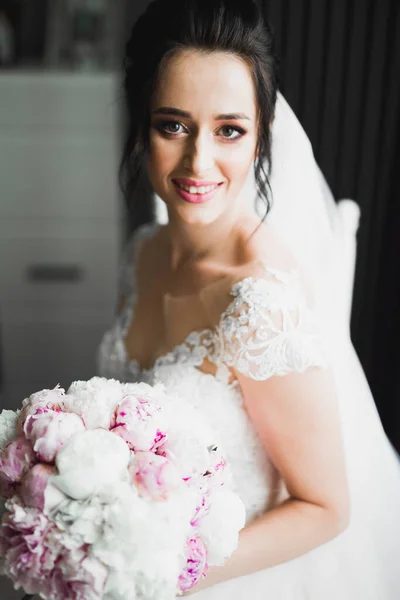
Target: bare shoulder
pixel 266 246
pixel 266 253
pixel 263 256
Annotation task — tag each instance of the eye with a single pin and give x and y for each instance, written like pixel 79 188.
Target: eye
pixel 232 132
pixel 170 127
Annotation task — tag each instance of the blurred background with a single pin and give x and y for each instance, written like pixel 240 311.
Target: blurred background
pixel 62 220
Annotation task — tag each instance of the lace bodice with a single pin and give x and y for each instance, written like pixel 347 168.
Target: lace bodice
pixel 267 329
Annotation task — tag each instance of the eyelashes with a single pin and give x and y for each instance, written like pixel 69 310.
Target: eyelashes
pixel 235 128
pixel 163 126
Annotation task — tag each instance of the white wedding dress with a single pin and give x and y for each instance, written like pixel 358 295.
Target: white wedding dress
pixel 363 562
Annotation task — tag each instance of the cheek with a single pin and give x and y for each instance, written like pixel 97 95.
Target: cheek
pixel 162 157
pixel 239 162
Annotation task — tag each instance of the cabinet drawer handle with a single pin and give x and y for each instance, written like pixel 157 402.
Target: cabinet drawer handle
pixel 48 273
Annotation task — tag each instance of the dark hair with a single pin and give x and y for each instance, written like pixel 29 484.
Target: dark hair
pixel 168 26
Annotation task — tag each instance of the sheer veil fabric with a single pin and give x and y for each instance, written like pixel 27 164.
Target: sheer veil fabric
pixel 365 557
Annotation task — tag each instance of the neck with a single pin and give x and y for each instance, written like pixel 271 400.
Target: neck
pixel 218 241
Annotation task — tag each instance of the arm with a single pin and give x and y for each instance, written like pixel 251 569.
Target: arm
pixel 297 419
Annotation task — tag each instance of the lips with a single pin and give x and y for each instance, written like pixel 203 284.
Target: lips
pixel 196 194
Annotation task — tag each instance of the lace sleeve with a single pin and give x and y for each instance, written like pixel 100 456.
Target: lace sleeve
pixel 268 329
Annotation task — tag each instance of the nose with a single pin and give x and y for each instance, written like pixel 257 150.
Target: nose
pixel 200 154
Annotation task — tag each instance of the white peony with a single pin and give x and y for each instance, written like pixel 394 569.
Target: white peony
pixel 220 527
pixel 8 426
pixel 83 520
pixel 95 383
pixel 94 400
pixel 188 439
pixel 91 462
pixel 186 453
pixel 142 538
pixel 153 393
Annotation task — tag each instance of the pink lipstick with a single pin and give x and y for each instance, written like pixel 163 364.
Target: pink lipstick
pixel 193 197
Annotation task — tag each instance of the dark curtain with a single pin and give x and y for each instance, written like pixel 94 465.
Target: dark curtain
pixel 340 72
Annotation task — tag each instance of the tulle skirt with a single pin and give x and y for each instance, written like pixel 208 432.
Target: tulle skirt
pixel 363 562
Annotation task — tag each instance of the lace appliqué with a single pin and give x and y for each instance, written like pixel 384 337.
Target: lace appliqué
pixel 196 348
pixel 269 330
pixel 266 330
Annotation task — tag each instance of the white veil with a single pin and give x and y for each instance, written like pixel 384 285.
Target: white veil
pixel 303 209
pixel 307 218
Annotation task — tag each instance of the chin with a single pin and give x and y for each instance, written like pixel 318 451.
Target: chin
pixel 199 215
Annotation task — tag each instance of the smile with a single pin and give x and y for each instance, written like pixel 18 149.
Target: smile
pixel 191 189
pixel 196 194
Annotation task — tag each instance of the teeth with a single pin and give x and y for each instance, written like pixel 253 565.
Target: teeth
pixel 197 190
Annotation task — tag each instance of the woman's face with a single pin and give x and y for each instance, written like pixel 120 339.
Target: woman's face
pixel 203 135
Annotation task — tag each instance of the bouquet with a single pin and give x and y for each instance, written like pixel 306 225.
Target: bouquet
pixel 112 491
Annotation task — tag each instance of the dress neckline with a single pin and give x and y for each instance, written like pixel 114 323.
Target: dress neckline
pixel 191 340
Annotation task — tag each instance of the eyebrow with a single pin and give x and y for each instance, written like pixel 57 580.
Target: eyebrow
pixel 168 110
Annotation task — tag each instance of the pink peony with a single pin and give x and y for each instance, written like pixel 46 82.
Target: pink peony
pixel 49 431
pixel 78 577
pixel 16 458
pixel 196 564
pixel 36 557
pixel 154 475
pixel 34 484
pixel 41 402
pixel 137 423
pixel 27 557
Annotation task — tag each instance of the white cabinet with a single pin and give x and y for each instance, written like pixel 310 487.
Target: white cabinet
pixel 57 175
pixel 65 263
pixel 60 226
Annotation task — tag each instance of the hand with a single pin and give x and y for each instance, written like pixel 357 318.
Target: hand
pixel 202 584
pixel 193 590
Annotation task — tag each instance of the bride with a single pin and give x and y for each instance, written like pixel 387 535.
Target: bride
pixel 236 304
